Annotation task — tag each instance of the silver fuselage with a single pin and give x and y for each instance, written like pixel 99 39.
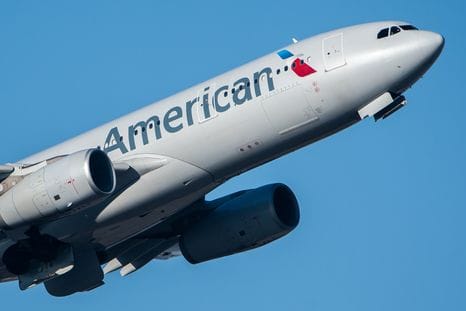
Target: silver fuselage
pixel 204 147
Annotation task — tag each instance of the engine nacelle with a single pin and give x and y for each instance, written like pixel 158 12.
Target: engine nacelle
pixel 66 185
pixel 243 221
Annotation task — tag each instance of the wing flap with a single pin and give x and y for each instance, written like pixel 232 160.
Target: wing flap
pixel 138 255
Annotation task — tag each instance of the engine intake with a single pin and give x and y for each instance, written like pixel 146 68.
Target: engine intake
pixel 66 185
pixel 242 221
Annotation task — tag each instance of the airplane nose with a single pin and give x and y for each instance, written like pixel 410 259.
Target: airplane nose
pixel 436 42
pixel 414 56
pixel 432 43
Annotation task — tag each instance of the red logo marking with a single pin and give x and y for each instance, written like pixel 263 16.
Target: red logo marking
pixel 301 68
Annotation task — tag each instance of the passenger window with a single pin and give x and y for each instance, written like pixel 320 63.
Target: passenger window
pixel 383 33
pixel 394 30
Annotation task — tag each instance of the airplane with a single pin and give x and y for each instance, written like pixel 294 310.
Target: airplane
pixel 133 190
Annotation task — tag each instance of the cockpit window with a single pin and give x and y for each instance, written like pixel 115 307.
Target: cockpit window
pixel 408 27
pixel 383 33
pixel 394 30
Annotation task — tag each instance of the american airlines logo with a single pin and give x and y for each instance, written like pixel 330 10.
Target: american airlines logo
pixel 206 104
pixel 298 66
pixel 182 116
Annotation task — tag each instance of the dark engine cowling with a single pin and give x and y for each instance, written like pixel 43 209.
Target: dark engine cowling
pixel 65 185
pixel 241 222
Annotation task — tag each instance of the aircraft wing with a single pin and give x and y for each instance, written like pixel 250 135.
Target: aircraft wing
pixel 133 256
pixel 5 171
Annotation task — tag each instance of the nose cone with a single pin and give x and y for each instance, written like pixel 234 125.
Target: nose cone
pixel 413 54
pixel 432 45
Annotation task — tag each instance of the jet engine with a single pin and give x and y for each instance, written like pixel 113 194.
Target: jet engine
pixel 64 185
pixel 241 222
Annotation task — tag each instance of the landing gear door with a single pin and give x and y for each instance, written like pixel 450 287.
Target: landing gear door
pixel 332 48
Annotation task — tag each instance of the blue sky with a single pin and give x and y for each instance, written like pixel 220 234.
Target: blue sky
pixel 383 205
